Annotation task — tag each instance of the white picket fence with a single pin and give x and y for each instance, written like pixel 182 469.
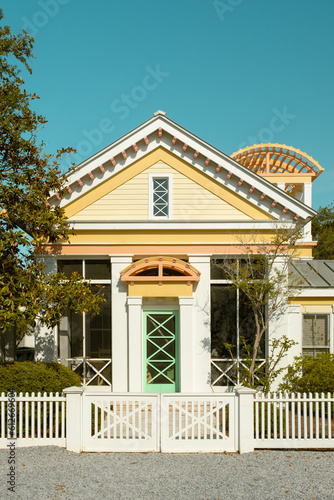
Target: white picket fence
pixel 40 420
pixel 287 420
pixel 93 421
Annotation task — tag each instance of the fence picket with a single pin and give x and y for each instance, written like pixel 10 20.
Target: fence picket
pixel 304 420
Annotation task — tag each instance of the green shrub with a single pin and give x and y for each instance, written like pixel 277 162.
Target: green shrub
pixel 309 374
pixel 29 376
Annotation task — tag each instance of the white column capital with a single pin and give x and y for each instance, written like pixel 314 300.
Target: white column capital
pixel 294 308
pixel 186 301
pixel 199 258
pixel 135 301
pixel 121 259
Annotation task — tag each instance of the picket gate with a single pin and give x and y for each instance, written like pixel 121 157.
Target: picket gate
pixel 158 422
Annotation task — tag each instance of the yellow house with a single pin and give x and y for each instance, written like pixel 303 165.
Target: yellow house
pixel 152 214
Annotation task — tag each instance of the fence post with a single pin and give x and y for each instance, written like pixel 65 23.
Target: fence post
pixel 245 419
pixel 74 418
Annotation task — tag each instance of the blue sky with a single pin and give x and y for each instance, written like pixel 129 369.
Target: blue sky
pixel 223 69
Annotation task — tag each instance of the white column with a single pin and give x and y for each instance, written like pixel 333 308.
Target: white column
pixel 135 339
pixel 201 329
pixel 119 293
pixel 295 327
pixel 74 419
pixel 307 199
pixel 307 194
pixel 281 185
pixel 245 419
pixel 186 361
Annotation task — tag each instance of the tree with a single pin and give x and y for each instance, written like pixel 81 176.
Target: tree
pixel 27 177
pixel 323 232
pixel 264 278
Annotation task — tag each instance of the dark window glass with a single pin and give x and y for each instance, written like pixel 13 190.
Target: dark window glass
pixel 70 266
pixel 154 271
pixel 217 270
pixel 97 269
pixel 98 328
pixel 160 197
pixel 253 268
pixel 70 342
pixel 168 271
pixel 247 326
pixel 223 320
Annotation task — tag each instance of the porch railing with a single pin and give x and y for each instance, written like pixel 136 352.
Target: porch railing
pixel 226 371
pixel 92 371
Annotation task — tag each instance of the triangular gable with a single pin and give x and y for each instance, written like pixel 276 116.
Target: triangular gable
pixel 196 196
pixel 95 174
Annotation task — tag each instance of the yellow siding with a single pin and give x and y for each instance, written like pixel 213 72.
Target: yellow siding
pixel 309 301
pixel 155 290
pixel 320 309
pixel 129 201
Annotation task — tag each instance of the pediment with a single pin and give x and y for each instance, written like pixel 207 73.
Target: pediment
pixel 160 139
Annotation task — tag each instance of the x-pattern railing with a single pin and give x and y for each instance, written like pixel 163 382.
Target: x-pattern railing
pixel 234 363
pixel 120 419
pixel 90 372
pixel 201 421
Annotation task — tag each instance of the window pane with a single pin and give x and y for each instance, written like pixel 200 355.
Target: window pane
pixel 160 197
pixel 70 342
pixel 70 266
pixel 217 270
pixel 247 326
pixel 97 269
pixel 154 271
pixel 253 267
pixel 223 320
pixel 315 332
pixel 98 328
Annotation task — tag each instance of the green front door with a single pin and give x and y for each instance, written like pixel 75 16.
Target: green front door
pixel 161 351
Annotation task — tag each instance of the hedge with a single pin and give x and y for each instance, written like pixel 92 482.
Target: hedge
pixel 310 374
pixel 30 376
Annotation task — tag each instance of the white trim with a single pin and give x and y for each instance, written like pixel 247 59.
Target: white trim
pixel 235 225
pixel 315 292
pixel 172 129
pixel 167 243
pixel 151 216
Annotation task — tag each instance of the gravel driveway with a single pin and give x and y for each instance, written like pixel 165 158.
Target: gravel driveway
pixel 52 472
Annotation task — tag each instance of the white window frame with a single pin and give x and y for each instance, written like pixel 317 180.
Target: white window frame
pixel 329 347
pixel 151 179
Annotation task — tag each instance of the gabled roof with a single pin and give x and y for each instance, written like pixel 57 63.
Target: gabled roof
pixel 160 131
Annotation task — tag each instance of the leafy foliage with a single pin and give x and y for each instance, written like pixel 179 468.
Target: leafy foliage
pixel 270 370
pixel 28 376
pixel 262 275
pixel 309 374
pixel 323 232
pixel 27 178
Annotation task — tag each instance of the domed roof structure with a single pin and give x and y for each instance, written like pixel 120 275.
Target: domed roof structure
pixel 273 159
